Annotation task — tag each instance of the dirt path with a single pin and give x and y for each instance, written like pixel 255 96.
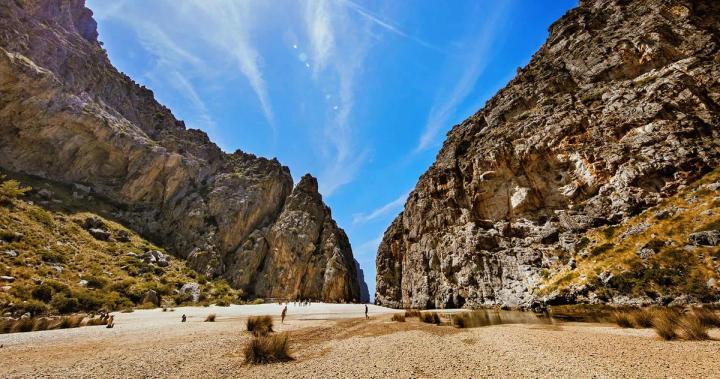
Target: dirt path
pixel 155 344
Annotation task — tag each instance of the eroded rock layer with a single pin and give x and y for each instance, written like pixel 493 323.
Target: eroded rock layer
pixel 616 111
pixel 68 115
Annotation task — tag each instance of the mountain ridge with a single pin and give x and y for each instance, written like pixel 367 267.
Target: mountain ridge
pixel 68 115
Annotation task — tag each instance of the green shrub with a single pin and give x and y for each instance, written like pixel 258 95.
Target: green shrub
pixel 42 292
pixel 11 190
pixel 96 282
pixel 34 307
pixel 597 250
pixel 65 304
pixel 50 256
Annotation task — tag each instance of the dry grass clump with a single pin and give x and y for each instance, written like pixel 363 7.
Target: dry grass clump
pixel 642 318
pixel 622 319
pixel 259 325
pixel 268 349
pixel 470 319
pixel 96 321
pixel 412 313
pixel 708 317
pixel 430 318
pixel 399 317
pixel 638 318
pixel 34 324
pixel 210 318
pixel 692 328
pixel 670 324
pixel 22 325
pixel 664 324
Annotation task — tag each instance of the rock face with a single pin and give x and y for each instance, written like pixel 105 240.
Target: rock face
pixel 68 115
pixel 613 114
pixel 364 291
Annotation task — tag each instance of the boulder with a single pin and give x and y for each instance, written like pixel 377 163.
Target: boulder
pixel 193 289
pixel 122 236
pixel 151 296
pixel 7 279
pixel 705 238
pixel 100 234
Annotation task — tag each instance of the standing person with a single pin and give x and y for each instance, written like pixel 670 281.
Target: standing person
pixel 282 316
pixel 366 312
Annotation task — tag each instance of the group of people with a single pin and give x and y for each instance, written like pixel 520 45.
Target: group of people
pixel 302 303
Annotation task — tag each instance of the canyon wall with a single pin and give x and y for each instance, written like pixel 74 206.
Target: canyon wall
pixel 617 111
pixel 66 114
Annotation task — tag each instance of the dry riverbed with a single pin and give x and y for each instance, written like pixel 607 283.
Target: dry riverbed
pixel 330 340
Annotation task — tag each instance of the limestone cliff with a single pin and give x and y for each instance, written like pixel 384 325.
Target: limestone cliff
pixel 615 112
pixel 68 115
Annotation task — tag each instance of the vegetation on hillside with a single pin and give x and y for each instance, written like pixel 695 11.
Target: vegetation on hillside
pixel 51 263
pixel 649 256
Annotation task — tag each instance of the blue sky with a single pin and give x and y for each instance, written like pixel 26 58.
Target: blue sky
pixel 358 93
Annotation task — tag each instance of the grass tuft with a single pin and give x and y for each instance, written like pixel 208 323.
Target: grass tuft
pixel 692 328
pixel 210 318
pixel 268 349
pixel 34 324
pixel 259 325
pixel 430 318
pixel 622 319
pixel 642 318
pixel 471 319
pixel 399 317
pixel 412 313
pixel 707 317
pixel 664 324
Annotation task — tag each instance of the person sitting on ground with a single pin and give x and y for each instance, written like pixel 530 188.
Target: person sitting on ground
pixel 183 318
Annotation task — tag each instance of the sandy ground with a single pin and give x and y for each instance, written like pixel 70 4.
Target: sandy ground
pixel 334 340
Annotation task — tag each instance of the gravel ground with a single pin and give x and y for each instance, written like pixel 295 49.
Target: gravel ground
pixel 333 340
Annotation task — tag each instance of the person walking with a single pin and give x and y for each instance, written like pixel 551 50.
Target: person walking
pixel 366 312
pixel 282 316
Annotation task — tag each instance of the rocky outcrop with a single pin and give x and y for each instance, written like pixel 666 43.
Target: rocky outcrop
pixel 68 115
pixel 364 291
pixel 616 111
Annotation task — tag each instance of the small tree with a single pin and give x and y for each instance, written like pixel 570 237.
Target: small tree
pixel 11 190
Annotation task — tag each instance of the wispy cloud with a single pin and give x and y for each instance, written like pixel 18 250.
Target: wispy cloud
pixel 173 62
pixel 386 24
pixel 339 47
pixel 219 28
pixel 384 210
pixel 442 111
